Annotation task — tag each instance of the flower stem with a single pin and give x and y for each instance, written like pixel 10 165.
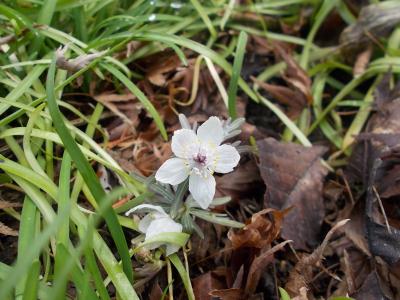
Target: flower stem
pixel 170 280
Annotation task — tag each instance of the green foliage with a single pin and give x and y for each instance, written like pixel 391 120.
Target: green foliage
pixel 52 222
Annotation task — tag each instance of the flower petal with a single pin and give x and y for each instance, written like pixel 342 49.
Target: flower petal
pixel 145 223
pixel 202 189
pixel 147 208
pixel 171 249
pixel 226 158
pixel 184 143
pixel 211 132
pixel 173 171
pixel 161 225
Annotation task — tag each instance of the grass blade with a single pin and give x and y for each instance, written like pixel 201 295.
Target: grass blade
pixel 87 172
pixel 142 98
pixel 184 275
pixel 237 66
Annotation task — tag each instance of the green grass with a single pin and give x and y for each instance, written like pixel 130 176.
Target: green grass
pixel 51 159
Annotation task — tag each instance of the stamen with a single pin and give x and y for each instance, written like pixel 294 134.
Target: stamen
pixel 200 159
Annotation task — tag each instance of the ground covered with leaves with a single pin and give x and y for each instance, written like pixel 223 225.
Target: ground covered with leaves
pixel 90 93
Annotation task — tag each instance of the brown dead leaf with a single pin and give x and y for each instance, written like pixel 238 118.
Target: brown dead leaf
pixel 156 292
pixel 301 275
pixel 355 229
pixel 204 284
pixel 362 61
pixel 235 292
pixel 375 21
pixel 244 183
pixel 227 294
pixel 294 178
pixel 259 231
pixel 258 266
pixel 6 204
pixel 160 66
pixel 295 76
pixel 291 99
pixel 302 294
pixel 297 94
pixel 378 149
pixel 5 230
pixel 371 289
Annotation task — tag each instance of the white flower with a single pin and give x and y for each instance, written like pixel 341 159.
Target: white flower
pixel 199 156
pixel 155 222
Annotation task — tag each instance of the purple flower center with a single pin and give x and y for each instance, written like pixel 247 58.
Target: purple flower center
pixel 200 159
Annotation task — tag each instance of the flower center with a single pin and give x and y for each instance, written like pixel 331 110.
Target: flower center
pixel 200 158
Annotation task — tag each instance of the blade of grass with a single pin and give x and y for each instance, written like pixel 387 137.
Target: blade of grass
pixel 104 254
pixel 361 117
pixel 30 156
pixel 27 233
pixel 26 83
pixel 325 9
pixel 288 123
pixel 87 172
pixel 63 205
pixel 203 14
pixel 187 43
pixel 184 274
pixel 44 18
pixel 328 131
pixel 78 276
pixel 237 67
pixel 142 98
pixel 32 281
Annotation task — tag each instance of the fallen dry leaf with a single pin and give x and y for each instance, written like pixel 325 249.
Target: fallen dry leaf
pixel 301 275
pixel 7 204
pixel 378 149
pixel 375 21
pixel 259 231
pixel 258 266
pixel 204 284
pixel 293 100
pixel 161 65
pixel 5 230
pixel 294 178
pixel 228 294
pixel 295 75
pixel 156 292
pixel 244 183
pixel 371 289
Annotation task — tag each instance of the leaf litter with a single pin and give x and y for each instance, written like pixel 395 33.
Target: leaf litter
pixel 297 234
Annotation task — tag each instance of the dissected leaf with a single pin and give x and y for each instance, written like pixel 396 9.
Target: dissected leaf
pixel 294 178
